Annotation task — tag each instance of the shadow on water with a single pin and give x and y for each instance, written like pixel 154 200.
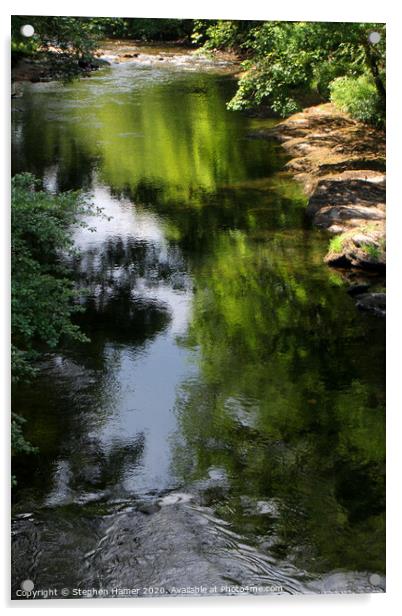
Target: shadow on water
pixel 225 423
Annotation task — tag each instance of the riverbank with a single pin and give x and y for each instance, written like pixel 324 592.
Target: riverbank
pixel 51 66
pixel 341 165
pixel 55 65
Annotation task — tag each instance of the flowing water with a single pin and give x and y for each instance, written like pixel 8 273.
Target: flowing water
pixel 224 426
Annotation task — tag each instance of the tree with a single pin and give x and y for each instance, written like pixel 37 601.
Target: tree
pixel 76 37
pixel 287 60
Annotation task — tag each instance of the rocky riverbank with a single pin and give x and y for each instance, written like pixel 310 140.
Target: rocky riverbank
pixel 51 66
pixel 341 164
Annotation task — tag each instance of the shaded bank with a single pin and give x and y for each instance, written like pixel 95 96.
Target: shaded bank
pixel 51 66
pixel 341 165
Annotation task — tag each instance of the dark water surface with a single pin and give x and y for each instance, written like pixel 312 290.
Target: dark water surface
pixel 225 425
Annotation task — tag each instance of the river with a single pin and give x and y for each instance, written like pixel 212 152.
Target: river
pixel 224 426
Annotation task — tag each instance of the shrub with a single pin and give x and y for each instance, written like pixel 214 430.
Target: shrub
pixel 42 291
pixel 324 74
pixel 358 97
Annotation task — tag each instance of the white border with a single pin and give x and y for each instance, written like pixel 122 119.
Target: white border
pixel 340 10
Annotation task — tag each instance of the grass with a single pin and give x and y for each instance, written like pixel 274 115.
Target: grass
pixel 336 244
pixel 372 251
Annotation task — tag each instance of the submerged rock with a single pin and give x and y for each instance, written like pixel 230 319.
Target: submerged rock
pixel 372 302
pixel 252 506
pixel 358 288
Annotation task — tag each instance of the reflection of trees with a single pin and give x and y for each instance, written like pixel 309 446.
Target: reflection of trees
pixel 176 139
pixel 41 144
pixel 115 309
pixel 289 400
pixel 171 141
pixel 118 282
pixel 195 227
pixel 169 144
pixel 65 422
pixel 121 261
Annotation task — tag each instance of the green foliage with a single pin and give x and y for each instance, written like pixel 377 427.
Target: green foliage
pixel 147 29
pixel 373 251
pixel 21 45
pixel 80 35
pixel 325 73
pixel 358 97
pixel 287 60
pixel 42 292
pixel 336 244
pixel 18 442
pixel 222 34
pixel 65 45
pixel 75 36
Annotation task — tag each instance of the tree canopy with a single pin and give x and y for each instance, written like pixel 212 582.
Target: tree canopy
pixel 285 61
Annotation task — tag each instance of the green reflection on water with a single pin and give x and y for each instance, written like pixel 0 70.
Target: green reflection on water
pixel 173 138
pixel 290 403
